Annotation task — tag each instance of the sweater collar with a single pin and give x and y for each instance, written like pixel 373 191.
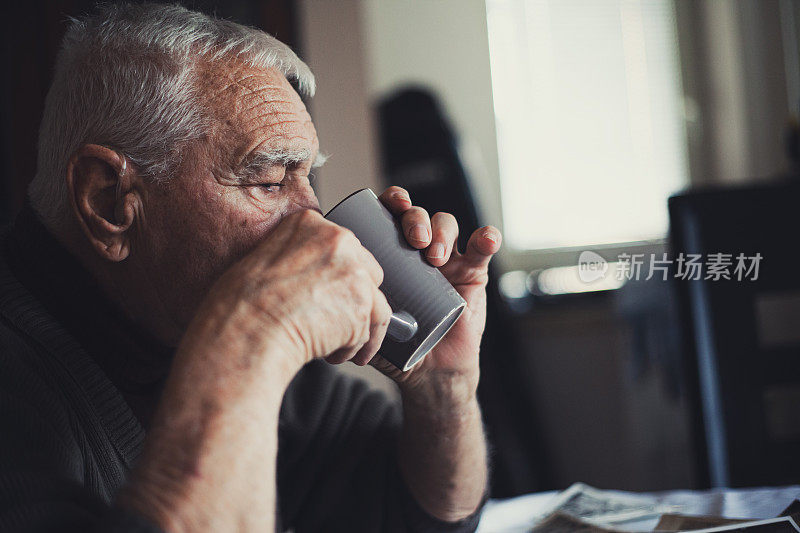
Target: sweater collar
pixel 135 362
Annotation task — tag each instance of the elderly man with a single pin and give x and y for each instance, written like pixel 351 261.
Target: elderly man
pixel 171 301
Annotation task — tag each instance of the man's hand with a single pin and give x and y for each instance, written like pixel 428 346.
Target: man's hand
pixel 442 449
pixel 309 290
pixel 456 355
pixel 314 285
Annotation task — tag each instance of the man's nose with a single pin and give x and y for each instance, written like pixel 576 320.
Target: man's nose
pixel 304 198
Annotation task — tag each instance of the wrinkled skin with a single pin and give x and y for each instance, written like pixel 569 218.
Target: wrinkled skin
pixel 195 226
pixel 202 220
pixel 240 271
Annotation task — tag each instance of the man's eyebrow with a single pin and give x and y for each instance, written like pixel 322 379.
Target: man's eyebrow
pixel 319 160
pixel 259 161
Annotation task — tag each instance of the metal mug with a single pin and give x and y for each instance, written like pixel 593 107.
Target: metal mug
pixel 425 305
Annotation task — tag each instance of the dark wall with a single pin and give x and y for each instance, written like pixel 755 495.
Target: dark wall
pixel 30 42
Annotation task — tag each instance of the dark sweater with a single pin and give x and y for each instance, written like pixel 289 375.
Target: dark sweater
pixel 74 379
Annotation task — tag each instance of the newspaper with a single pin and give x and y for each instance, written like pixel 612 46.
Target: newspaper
pixel 603 508
pixel 562 523
pixel 678 522
pixel 585 509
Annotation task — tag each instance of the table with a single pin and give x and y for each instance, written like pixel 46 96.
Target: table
pixel 517 514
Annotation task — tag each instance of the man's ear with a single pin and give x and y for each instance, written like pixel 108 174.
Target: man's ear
pixel 99 182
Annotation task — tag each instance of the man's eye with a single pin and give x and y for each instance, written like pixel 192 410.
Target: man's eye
pixel 270 187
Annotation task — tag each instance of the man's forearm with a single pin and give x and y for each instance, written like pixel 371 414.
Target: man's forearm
pixel 442 448
pixel 191 478
pixel 210 455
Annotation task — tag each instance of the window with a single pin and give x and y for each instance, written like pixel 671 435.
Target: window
pixel 589 115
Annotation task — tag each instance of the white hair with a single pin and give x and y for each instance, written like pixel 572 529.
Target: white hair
pixel 125 78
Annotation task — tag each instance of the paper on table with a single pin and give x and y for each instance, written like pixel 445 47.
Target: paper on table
pixel 603 507
pixel 562 523
pixel 677 522
pixel 520 514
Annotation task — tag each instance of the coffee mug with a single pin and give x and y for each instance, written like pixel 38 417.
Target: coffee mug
pixel 425 305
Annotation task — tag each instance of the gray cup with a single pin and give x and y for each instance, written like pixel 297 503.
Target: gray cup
pixel 425 305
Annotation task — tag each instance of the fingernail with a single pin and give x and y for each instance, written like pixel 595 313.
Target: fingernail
pixel 418 232
pixel 436 251
pixel 491 236
pixel 401 196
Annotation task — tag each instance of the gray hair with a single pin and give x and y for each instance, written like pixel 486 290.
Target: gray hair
pixel 125 77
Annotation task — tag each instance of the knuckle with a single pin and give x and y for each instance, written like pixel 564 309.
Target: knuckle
pixel 327 233
pixel 370 268
pixel 361 292
pixel 443 218
pixel 365 335
pixel 340 239
pixel 362 332
pixel 418 211
pixel 386 313
pixel 307 216
pixel 358 307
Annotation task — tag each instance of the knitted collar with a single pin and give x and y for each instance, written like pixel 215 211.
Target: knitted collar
pixel 134 362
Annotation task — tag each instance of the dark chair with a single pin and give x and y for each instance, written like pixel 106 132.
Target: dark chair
pixel 742 337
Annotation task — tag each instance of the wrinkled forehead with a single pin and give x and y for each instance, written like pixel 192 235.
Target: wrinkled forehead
pixel 256 108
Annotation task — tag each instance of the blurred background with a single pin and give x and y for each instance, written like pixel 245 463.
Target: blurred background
pixel 568 124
